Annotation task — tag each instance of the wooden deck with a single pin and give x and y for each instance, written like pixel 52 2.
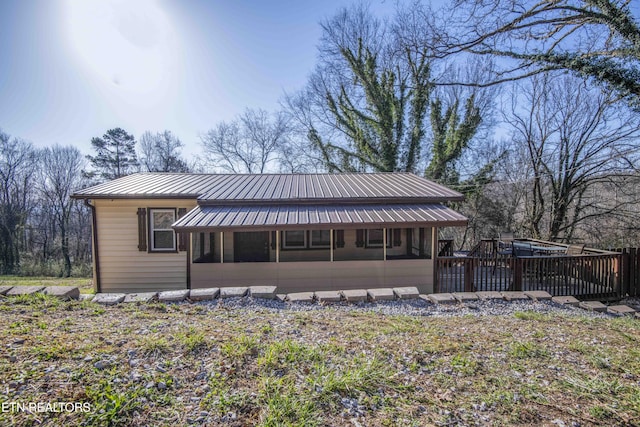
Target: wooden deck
pixel 588 276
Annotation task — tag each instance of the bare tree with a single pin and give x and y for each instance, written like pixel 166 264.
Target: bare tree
pixel 61 174
pixel 365 105
pixel 574 140
pixel 373 104
pixel 596 39
pixel 17 168
pixel 160 152
pixel 249 144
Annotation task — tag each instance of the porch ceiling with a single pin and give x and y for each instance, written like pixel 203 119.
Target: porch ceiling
pixel 222 218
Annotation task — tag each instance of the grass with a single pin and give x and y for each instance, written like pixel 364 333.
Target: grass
pixel 193 363
pixel 83 283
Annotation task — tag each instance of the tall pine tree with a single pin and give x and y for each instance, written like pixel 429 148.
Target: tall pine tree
pixel 116 155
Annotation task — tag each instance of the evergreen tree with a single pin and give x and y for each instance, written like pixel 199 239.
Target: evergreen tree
pixel 116 155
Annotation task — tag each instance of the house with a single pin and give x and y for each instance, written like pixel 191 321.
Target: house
pixel 160 231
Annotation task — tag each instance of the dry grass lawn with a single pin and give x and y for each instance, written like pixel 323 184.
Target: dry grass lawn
pixel 171 365
pixel 83 283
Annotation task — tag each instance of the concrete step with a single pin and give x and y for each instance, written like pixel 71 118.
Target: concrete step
pixel 108 298
pixel 538 295
pixel 63 292
pixel 300 297
pixel 465 296
pixel 406 292
pixel 141 297
pixel 204 294
pixel 621 310
pixel 173 296
pixel 24 290
pixel 328 296
pixel 488 295
pixel 593 306
pixel 566 300
pixel 514 296
pixel 381 294
pixel 234 292
pixel 443 298
pixel 354 295
pixel 265 292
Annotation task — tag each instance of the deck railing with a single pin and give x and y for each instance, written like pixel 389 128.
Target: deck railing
pixel 445 247
pixel 588 276
pixel 630 271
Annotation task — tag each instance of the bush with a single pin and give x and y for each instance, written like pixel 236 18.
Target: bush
pixel 31 266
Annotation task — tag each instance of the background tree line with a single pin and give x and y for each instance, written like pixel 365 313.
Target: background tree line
pixel 530 108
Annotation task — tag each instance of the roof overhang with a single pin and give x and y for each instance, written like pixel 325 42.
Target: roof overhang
pixel 273 217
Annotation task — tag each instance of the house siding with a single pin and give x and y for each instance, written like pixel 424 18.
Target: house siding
pixel 123 268
pixel 319 275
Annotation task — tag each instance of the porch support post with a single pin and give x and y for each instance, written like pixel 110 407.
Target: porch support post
pixel 222 247
pixel 189 237
pixel 331 245
pixel 434 243
pixel 384 244
pixel 277 246
pixel 434 258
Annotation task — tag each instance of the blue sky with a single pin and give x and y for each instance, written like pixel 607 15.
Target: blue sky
pixel 71 69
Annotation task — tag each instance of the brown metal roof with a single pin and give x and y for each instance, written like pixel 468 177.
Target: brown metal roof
pixel 263 188
pixel 271 217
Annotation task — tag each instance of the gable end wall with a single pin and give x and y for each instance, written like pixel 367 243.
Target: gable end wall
pixel 123 268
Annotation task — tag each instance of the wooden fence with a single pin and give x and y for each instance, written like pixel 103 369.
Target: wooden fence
pixel 588 276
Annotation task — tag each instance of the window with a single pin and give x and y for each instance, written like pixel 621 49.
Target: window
pixel 374 238
pixel 320 239
pixel 295 239
pixel 162 236
pixel 203 247
pixel 421 242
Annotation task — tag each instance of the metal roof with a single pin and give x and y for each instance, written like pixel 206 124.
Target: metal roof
pixel 269 217
pixel 278 188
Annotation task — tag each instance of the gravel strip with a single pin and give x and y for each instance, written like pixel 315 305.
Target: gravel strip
pixel 414 307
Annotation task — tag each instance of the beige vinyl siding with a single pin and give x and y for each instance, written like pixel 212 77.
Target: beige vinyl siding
pixel 123 268
pixel 313 276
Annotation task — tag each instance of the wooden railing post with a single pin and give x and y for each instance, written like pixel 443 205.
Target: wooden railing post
pixel 634 272
pixel 468 274
pixel 436 275
pixel 517 274
pixel 624 272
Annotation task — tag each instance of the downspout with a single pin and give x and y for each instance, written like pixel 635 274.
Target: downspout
pixel 94 237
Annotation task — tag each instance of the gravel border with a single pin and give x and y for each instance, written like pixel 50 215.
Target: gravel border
pixel 413 307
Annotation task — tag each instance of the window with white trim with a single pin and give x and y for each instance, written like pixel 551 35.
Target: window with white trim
pixel 162 236
pixel 294 239
pixel 320 239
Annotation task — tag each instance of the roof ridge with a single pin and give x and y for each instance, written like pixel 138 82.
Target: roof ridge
pixel 271 173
